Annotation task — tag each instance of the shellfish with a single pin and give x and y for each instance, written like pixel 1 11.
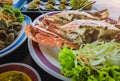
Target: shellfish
pixel 8 33
pixel 68 16
pixel 74 33
pixel 79 29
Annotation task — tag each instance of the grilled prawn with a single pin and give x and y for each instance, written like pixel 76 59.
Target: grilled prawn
pixel 74 33
pixel 65 17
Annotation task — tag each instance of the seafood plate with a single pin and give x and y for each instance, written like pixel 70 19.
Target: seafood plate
pixel 11 29
pixel 73 28
pixel 19 40
pixel 10 25
pixel 53 31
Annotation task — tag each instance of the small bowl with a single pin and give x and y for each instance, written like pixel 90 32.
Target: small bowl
pixel 26 6
pixel 28 70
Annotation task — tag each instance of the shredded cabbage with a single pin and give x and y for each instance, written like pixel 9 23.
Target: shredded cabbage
pixel 100 54
pixel 98 61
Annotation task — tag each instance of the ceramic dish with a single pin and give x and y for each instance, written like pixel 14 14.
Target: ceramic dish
pixel 19 40
pixel 24 68
pixel 45 56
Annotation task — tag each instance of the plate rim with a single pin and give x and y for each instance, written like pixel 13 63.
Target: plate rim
pixel 42 65
pixel 18 41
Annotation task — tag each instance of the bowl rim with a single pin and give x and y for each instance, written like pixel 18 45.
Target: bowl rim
pixel 23 65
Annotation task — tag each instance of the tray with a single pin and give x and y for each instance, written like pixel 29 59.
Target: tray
pixel 42 7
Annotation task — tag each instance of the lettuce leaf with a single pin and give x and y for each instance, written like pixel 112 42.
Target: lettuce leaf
pixel 12 13
pixel 66 57
pixel 97 67
pixel 109 74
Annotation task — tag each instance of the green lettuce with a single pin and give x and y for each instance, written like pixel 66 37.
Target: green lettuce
pixel 66 57
pixel 12 13
pixel 102 65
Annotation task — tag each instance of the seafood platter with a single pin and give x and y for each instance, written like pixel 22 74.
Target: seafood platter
pixel 12 23
pixel 54 5
pixel 76 45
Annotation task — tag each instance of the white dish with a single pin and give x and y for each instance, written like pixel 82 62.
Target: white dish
pixel 19 40
pixel 46 56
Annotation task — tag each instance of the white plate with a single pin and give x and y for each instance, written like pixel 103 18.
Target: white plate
pixel 19 40
pixel 46 57
pixel 31 72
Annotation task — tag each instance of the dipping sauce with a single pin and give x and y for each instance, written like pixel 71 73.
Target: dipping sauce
pixel 14 76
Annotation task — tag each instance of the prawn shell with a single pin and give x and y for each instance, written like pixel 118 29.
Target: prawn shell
pixel 47 38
